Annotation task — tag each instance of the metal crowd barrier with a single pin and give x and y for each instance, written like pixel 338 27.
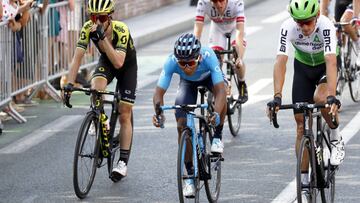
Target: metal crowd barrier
pixel 48 42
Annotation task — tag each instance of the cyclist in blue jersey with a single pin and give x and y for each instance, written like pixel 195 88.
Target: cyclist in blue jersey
pixel 196 66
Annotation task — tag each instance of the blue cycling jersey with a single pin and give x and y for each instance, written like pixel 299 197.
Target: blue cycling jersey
pixel 208 65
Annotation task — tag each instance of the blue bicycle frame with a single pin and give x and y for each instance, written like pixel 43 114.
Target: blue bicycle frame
pixel 190 123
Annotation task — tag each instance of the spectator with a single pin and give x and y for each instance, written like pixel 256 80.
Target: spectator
pixel 1 11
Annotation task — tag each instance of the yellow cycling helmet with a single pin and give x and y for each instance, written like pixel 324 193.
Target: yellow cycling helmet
pixel 101 6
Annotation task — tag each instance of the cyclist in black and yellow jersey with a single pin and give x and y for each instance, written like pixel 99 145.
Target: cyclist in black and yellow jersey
pixel 118 59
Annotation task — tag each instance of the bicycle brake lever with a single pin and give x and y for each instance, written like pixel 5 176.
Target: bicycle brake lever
pixel 273 119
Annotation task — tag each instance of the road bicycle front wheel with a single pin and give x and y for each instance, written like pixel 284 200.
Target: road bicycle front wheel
pixel 305 191
pixel 86 155
pixel 213 184
pixel 234 107
pixel 354 83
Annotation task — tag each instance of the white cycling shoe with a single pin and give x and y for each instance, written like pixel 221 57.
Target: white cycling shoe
pixel 217 146
pixel 337 152
pixel 189 188
pixel 119 171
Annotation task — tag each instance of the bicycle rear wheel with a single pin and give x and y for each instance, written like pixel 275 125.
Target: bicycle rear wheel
pixel 234 107
pixel 328 192
pixel 305 191
pixel 212 185
pixel 354 82
pixel 115 146
pixel 86 155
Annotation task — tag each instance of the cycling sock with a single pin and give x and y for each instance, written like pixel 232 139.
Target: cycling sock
pixel 335 134
pixel 218 131
pixel 124 155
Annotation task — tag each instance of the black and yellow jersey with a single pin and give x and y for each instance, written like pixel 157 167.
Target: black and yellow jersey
pixel 121 40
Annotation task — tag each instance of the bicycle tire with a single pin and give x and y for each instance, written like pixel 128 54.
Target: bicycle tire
pixel 234 108
pixel 89 126
pixel 354 83
pixel 311 193
pixel 328 192
pixel 212 185
pixel 182 175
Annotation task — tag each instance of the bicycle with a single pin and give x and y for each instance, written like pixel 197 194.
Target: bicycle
pixel 206 166
pixel 96 140
pixel 348 71
pixel 234 106
pixel 321 174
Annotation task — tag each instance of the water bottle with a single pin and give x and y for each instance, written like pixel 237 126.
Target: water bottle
pixel 201 142
pixel 105 133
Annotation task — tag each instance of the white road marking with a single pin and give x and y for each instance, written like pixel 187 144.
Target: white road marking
pixel 277 17
pixel 40 135
pixel 252 29
pixel 289 193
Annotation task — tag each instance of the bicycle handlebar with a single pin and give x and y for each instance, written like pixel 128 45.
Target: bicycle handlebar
pixel 222 52
pixel 351 22
pixel 303 106
pixel 185 107
pixel 88 91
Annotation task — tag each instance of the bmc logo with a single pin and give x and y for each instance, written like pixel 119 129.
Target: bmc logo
pixel 327 40
pixel 283 40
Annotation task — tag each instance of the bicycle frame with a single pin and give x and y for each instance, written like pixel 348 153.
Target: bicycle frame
pixel 190 124
pixel 316 145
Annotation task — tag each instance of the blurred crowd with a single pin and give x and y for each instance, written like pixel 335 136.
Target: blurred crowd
pixel 64 26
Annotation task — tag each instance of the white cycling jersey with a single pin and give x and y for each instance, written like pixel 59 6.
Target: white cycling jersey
pixel 311 49
pixel 221 24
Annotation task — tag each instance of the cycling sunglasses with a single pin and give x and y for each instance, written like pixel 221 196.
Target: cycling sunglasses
pixel 305 22
pixel 101 18
pixel 216 1
pixel 188 63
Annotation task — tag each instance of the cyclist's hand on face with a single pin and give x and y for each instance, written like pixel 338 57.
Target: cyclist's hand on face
pixel 273 106
pixel 68 88
pixel 334 103
pixel 158 120
pixel 215 119
pixel 97 33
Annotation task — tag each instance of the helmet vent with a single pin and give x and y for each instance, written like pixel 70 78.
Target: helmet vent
pixel 313 9
pixel 296 5
pixel 306 4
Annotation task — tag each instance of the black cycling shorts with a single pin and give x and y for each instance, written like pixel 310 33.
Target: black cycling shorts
pixel 306 79
pixel 187 93
pixel 340 7
pixel 126 78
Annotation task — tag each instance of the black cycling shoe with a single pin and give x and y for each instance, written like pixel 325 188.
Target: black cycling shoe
pixel 243 92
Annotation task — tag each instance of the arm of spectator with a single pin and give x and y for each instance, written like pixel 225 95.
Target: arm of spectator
pixel 43 6
pixel 72 5
pixel 25 6
pixel 1 11
pixel 13 25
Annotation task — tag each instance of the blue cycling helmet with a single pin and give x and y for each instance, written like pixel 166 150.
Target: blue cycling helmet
pixel 187 47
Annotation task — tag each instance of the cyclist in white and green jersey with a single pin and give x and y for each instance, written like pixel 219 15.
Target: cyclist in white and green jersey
pixel 314 39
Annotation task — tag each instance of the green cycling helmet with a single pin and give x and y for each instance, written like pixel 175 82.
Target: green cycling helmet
pixel 303 9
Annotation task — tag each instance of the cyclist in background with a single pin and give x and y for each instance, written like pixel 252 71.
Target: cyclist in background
pixel 227 16
pixel 345 11
pixel 117 59
pixel 197 66
pixel 314 39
